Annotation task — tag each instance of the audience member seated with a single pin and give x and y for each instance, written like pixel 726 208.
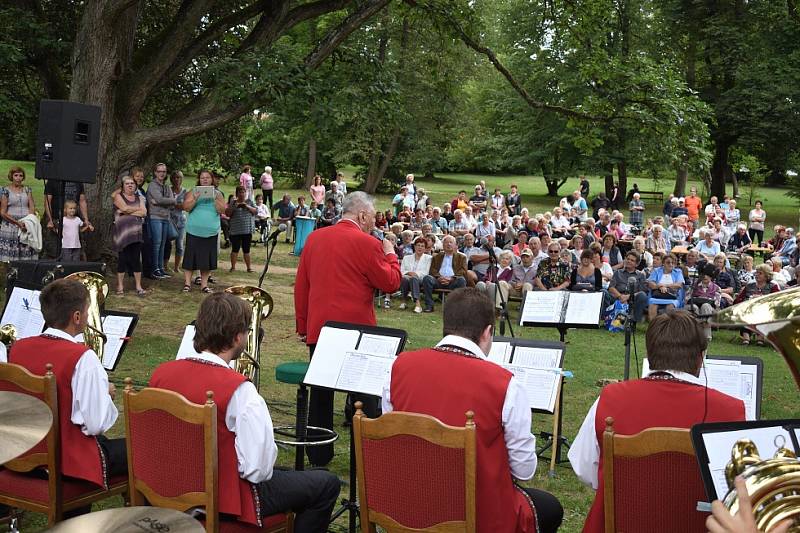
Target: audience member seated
pixel 672 395
pixel 657 241
pixel 458 227
pixel 629 286
pixel 485 228
pixel 522 276
pixel 605 269
pixel 707 246
pixel 740 241
pixel 479 257
pixel 438 222
pixel 666 287
pixel 778 236
pixel 691 265
pixel 552 274
pixel 285 209
pixel 469 218
pixel 611 253
pixel 586 277
pixel 331 214
pixel 448 271
pixel 784 253
pixel 478 201
pixel 521 244
pixel 336 195
pixel 414 268
pixel 502 272
pixel 406 245
pixel 703 297
pixel 646 261
pixel 726 280
pixel 761 286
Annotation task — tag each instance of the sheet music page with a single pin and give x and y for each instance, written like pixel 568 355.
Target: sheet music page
pixel 730 377
pixel 719 444
pixel 186 349
pixel 116 329
pixel 531 356
pixel 500 352
pixel 378 344
pixel 332 346
pixel 541 385
pixel 543 306
pixel 363 372
pixel 584 308
pixel 23 310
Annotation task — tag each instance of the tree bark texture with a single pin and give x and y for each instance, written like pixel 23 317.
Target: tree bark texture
pixel 681 178
pixel 311 166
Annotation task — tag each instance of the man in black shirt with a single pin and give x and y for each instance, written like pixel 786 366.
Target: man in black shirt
pixel 478 200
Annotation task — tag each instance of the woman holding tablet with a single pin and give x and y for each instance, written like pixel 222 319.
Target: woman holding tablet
pixel 204 204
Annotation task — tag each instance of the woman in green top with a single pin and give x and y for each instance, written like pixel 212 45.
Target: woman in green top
pixel 202 232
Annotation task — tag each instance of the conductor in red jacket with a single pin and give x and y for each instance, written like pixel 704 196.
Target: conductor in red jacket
pixel 340 268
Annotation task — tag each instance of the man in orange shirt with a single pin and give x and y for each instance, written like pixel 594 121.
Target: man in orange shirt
pixel 693 205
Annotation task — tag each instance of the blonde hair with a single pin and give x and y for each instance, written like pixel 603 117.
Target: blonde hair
pixel 766 270
pixel 68 204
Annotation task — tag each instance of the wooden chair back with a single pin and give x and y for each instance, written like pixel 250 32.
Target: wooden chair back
pixel 168 434
pixel 415 473
pixel 46 454
pixel 651 481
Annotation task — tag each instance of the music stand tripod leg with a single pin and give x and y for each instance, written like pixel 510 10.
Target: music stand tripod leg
pixel 271 244
pixel 555 452
pixel 505 319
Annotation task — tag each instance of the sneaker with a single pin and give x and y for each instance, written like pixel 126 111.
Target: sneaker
pixel 158 275
pixel 387 304
pixel 212 279
pixel 428 310
pixel 163 274
pixel 402 306
pixel 418 309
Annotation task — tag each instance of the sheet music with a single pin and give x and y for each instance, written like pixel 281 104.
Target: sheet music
pixel 363 372
pixel 116 329
pixel 731 377
pixel 23 310
pixel 719 444
pixel 332 346
pixel 543 306
pixel 500 352
pixel 584 308
pixel 531 356
pixel 378 344
pixel 541 385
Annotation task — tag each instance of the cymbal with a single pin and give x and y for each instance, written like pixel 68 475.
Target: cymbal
pixel 781 306
pixel 131 520
pixel 24 422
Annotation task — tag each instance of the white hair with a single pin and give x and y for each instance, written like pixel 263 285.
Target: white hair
pixel 268 169
pixel 357 201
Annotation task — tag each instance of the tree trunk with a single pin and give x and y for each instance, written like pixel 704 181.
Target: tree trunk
pixel 311 167
pixel 622 177
pixel 722 147
pixel 681 177
pixel 609 178
pixel 735 182
pixel 378 172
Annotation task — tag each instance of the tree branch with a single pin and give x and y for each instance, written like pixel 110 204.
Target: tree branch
pixel 498 65
pixel 47 68
pixel 337 35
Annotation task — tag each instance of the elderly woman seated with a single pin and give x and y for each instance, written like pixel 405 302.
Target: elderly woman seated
pixel 704 296
pixel 666 287
pixel 761 286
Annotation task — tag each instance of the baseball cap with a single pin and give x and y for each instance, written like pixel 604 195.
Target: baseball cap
pixel 526 251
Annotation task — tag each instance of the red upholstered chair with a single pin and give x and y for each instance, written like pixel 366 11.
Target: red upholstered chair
pixel 415 473
pixel 651 481
pixel 172 457
pixel 49 493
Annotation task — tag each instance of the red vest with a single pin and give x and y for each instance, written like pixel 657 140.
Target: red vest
pixel 643 403
pixel 81 456
pixel 237 496
pixel 447 385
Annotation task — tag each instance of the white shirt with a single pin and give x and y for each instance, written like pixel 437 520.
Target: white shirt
pixel 92 407
pixel 584 454
pixel 3 353
pixel 411 264
pixel 516 417
pixel 248 418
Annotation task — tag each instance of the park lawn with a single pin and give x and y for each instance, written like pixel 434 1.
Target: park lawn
pixel 591 354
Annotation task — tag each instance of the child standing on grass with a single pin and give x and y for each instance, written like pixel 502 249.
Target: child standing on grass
pixel 72 226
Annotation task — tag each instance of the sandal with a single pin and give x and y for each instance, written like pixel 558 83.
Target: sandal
pixel 141 292
pixel 231 269
pixel 745 342
pixel 120 293
pixel 187 288
pixel 250 270
pixel 208 290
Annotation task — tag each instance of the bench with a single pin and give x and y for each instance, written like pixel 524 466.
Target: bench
pixel 652 198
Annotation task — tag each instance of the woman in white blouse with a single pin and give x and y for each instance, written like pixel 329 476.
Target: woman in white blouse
pixel 414 267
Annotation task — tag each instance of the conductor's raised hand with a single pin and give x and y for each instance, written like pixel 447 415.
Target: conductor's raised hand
pixel 388 247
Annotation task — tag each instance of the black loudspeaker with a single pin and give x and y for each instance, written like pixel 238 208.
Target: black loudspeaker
pixel 68 141
pixel 37 274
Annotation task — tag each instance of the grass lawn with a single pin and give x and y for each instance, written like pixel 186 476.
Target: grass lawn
pixel 591 354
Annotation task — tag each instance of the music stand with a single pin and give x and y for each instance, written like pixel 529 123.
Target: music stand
pixel 562 310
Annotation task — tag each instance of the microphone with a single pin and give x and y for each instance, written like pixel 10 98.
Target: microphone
pixel 631 285
pixel 274 236
pixel 485 245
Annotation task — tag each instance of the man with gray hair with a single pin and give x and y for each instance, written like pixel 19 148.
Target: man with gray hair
pixel 340 268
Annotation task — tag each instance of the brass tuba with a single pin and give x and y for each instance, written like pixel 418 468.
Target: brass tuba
pixel 95 283
pixel 249 363
pixel 773 484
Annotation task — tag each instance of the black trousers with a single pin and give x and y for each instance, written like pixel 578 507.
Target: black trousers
pixel 320 414
pixel 549 511
pixel 116 455
pixel 310 494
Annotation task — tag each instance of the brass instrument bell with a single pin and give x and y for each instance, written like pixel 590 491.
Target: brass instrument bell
pixel 96 284
pixel 249 363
